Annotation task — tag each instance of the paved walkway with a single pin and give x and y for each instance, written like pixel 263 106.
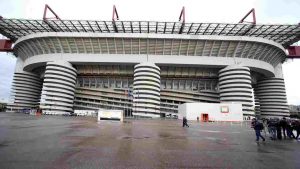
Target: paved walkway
pixel 58 142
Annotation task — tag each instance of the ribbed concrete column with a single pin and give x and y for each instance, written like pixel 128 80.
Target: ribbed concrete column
pixel 26 91
pixel 58 88
pixel 146 90
pixel 257 104
pixel 235 86
pixel 272 97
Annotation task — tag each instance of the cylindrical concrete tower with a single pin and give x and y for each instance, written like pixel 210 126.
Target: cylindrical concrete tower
pixel 235 86
pixel 257 104
pixel 58 88
pixel 272 97
pixel 146 90
pixel 26 91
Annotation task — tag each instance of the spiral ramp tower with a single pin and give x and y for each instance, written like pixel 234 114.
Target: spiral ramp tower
pixel 146 90
pixel 58 88
pixel 26 91
pixel 272 97
pixel 235 86
pixel 257 104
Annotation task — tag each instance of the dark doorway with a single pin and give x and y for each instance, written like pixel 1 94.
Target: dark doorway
pixel 204 117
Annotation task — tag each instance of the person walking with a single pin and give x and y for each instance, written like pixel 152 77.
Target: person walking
pixel 272 127
pixel 283 125
pixel 184 122
pixel 265 123
pixel 278 129
pixel 296 126
pixel 258 127
pixel 289 130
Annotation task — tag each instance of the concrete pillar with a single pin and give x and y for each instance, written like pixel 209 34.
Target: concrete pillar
pixel 26 89
pixel 146 90
pixel 235 87
pixel 58 88
pixel 272 97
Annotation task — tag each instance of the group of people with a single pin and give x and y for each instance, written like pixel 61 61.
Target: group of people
pixel 277 128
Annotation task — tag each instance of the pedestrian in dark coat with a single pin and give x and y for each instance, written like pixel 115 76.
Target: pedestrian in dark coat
pixel 184 122
pixel 272 126
pixel 289 130
pixel 296 126
pixel 283 125
pixel 258 127
pixel 278 128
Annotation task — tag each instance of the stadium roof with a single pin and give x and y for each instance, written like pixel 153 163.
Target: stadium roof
pixel 283 34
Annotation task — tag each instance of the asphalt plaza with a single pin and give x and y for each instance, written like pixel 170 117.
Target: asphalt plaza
pixel 81 142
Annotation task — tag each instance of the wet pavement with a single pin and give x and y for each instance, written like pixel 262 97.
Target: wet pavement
pixel 58 142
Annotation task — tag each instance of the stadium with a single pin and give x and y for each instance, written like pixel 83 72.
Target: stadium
pixel 147 68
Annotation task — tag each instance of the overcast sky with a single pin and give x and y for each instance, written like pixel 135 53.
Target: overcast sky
pixel 228 11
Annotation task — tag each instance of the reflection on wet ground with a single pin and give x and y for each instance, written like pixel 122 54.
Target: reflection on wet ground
pixel 81 142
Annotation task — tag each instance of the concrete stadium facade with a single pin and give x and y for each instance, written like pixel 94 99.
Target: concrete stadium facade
pixel 153 73
pixel 147 68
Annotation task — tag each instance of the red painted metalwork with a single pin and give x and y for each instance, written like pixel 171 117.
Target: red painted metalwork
pixel 253 16
pixel 115 13
pixel 182 19
pixel 45 13
pixel 294 52
pixel 115 16
pixel 45 17
pixel 6 45
pixel 182 15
